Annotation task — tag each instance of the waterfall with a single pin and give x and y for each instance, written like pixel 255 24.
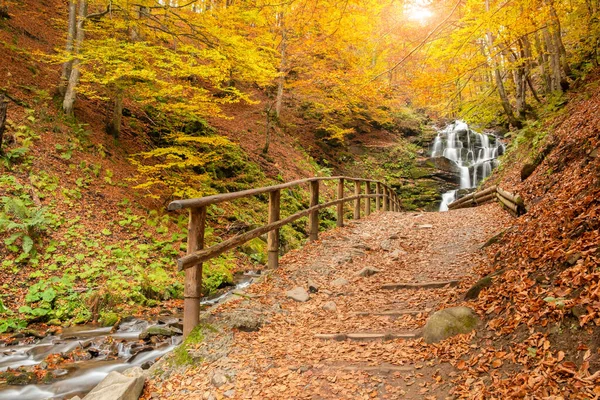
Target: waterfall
pixel 473 153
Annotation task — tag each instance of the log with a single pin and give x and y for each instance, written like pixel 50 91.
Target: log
pixel 357 201
pixel 206 254
pixel 313 217
pixel 485 192
pixel 422 285
pixel 485 199
pixel 192 291
pixel 273 236
pixel 509 204
pixel 516 199
pixel 340 206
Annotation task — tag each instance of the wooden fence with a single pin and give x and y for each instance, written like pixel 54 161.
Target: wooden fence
pixel 513 202
pixel 385 198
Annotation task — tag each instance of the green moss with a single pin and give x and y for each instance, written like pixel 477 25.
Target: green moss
pixel 181 355
pixel 108 318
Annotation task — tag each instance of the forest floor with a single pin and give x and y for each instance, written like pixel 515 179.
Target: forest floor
pixel 275 352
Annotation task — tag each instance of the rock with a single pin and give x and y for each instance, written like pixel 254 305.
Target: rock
pixel 208 396
pixel 117 386
pixel 594 153
pixel 147 365
pixel 394 237
pixel 527 170
pixel 218 379
pixel 397 253
pixel 159 331
pixel 425 226
pixel 76 398
pixel 367 271
pixel 329 306
pixel 298 294
pixel 386 245
pixel 339 282
pixel 449 322
pixel 312 286
pixel 245 320
pixel 361 246
pixel 481 284
pixel 54 322
pixel 578 311
pixel 446 165
pixel 229 394
pixel 573 258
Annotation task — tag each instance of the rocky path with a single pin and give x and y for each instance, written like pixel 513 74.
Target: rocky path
pixel 371 287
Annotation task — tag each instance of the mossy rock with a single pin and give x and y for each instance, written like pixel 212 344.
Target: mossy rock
pixel 481 284
pixel 108 318
pixel 256 249
pixel 449 322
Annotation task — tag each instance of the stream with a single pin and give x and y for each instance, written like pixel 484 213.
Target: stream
pixel 81 356
pixel 474 154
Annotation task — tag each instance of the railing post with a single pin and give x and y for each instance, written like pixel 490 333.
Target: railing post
pixel 313 217
pixel 340 206
pixel 192 291
pixel 368 199
pixel 378 199
pixel 357 201
pixel 273 236
pixel 386 203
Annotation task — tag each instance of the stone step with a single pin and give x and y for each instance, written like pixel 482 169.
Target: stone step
pixel 421 285
pixel 367 336
pixel 390 313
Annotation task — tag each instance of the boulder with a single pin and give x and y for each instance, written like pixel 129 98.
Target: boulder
pixel 298 294
pixel 312 286
pixel 329 306
pixel 218 379
pixel 119 386
pixel 449 322
pixel 339 282
pixel 367 271
pixel 446 165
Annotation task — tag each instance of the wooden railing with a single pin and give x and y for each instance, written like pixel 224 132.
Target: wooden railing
pixel 513 202
pixel 385 198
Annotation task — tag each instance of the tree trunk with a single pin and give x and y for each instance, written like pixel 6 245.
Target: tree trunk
pixel 498 77
pixel 543 63
pixel 67 65
pixel 282 66
pixel 3 107
pixel 70 94
pixel 554 61
pixel 268 129
pixel 562 52
pixel 114 125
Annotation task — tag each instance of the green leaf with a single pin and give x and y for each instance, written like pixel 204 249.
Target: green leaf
pixel 106 232
pixel 27 244
pixel 49 295
pixel 25 310
pixel 3 308
pixel 12 238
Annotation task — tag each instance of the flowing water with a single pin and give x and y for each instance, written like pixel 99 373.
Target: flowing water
pixel 475 155
pixel 102 350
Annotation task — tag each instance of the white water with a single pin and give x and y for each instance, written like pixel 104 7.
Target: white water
pixel 474 153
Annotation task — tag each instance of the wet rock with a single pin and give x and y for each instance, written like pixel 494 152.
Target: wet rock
pixel 147 365
pixel 330 306
pixel 449 322
pixel 141 349
pixel 339 282
pixel 312 286
pixel 159 330
pixel 367 271
pixel 218 379
pixel 18 377
pixel 40 350
pixel 298 294
pixel 28 333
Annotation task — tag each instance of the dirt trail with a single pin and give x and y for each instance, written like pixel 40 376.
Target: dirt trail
pixel 285 359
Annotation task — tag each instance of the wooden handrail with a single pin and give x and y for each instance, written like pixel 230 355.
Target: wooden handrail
pixel 385 198
pixel 513 202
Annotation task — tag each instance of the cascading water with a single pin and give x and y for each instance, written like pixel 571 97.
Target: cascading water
pixel 474 154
